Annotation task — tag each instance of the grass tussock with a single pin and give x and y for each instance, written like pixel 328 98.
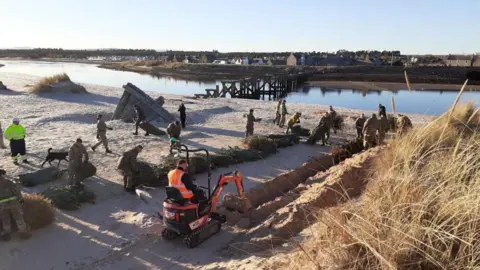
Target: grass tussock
pixel 419 210
pixel 38 211
pixel 45 85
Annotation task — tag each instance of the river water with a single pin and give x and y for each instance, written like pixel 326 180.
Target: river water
pixel 422 102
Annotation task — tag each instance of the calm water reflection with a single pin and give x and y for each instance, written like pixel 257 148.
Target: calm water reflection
pixel 425 102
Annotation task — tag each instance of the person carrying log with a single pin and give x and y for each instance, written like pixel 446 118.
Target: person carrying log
pixel 359 126
pixel 11 202
pixel 128 166
pixel 403 124
pixel 370 131
pixel 295 119
pixel 102 134
pixel 382 129
pixel 140 117
pixel 77 154
pixel 173 130
pixel 319 132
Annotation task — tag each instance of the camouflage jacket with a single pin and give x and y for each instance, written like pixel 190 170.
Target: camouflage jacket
pixel 76 152
pixel 250 120
pixel 9 189
pixel 128 161
pixel 382 124
pixel 101 126
pixel 370 127
pixel 284 109
pixel 173 130
pixel 360 122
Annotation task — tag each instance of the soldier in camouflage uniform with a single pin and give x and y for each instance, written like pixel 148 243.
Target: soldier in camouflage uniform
pixel 283 112
pixel 127 164
pixel 359 126
pixel 318 133
pixel 102 134
pixel 250 123
pixel 333 115
pixel 174 130
pixel 403 124
pixel 382 129
pixel 278 115
pixel 370 131
pixel 75 155
pixel 11 202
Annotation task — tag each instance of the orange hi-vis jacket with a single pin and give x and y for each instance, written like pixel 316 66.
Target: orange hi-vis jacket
pixel 175 180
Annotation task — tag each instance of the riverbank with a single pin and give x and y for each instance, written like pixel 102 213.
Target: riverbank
pixel 56 60
pixel 391 86
pixel 201 71
pixel 421 75
pixel 119 223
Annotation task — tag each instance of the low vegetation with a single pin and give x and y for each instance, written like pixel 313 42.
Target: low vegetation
pixel 38 211
pixel 419 209
pixel 47 85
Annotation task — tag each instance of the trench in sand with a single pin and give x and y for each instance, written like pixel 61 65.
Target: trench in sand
pixel 289 203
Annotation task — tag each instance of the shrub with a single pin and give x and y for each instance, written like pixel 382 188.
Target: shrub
pixel 261 144
pixel 45 85
pixel 69 197
pixel 38 211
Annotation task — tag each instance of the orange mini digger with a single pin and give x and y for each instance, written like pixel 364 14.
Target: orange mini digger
pixel 196 221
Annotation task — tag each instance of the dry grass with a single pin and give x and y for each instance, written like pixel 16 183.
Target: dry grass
pixel 45 85
pixel 419 210
pixel 38 211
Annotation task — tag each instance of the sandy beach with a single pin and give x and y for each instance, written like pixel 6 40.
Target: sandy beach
pixel 120 231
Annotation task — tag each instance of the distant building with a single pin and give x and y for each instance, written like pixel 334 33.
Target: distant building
pixel 291 60
pixel 459 61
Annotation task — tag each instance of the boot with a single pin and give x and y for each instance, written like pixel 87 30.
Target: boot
pixel 15 162
pixel 25 235
pixel 93 148
pixel 135 133
pixel 26 161
pixel 108 151
pixel 6 237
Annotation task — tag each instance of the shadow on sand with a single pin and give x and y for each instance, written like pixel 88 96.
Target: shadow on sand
pixel 88 99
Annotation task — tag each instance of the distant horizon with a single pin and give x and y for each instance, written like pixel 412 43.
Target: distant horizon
pixel 411 26
pixel 219 51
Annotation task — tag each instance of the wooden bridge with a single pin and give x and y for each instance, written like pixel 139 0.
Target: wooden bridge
pixel 271 86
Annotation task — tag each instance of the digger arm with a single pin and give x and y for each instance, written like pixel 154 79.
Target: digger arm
pixel 223 180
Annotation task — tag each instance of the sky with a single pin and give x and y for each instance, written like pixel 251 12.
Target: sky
pixel 411 26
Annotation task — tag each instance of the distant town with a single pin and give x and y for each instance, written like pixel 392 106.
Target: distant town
pixel 325 59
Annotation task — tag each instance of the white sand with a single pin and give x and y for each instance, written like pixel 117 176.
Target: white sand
pixel 121 231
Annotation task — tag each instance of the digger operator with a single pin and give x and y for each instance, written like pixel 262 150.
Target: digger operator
pixel 11 202
pixel 178 178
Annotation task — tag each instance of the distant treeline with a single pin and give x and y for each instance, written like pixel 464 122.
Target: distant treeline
pixel 84 54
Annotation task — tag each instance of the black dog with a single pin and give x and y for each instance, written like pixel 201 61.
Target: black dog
pixel 51 156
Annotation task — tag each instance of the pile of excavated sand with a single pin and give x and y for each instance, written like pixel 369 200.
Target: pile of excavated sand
pixel 281 219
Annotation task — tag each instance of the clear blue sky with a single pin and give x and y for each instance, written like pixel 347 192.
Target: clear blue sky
pixel 412 26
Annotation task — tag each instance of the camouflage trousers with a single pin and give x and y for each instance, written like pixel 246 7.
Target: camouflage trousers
pixel 102 136
pixel 127 178
pixel 281 123
pixel 369 141
pixel 359 133
pixel 276 121
pixel 381 137
pixel 74 175
pixel 248 131
pixel 16 211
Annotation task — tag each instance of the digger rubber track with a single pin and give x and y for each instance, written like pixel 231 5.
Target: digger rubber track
pixel 197 237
